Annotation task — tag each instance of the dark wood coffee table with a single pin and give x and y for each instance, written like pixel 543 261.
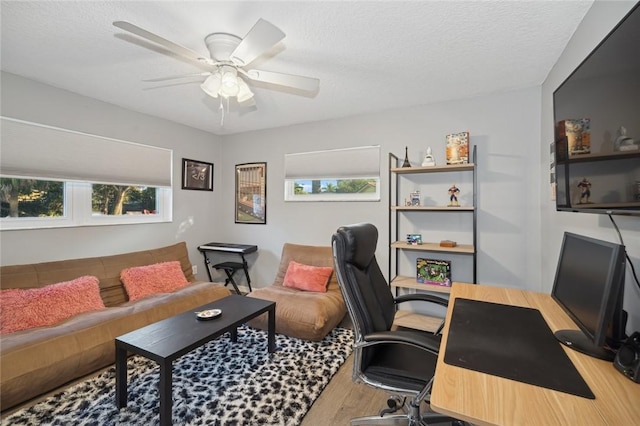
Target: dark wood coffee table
pixel 169 339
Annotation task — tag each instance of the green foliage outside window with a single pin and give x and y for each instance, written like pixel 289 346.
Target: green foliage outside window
pixel 335 186
pixel 118 200
pixel 31 198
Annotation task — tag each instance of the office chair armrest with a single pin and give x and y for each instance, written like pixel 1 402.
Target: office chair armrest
pixel 421 297
pixel 405 337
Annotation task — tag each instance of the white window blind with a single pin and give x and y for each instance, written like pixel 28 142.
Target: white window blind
pixel 347 163
pixel 39 151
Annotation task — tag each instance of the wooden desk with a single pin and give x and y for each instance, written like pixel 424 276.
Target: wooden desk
pixel 483 399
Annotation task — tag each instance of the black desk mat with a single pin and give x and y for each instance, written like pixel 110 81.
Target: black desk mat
pixel 511 342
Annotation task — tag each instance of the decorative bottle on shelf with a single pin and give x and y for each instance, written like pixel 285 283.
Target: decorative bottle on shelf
pixel 406 162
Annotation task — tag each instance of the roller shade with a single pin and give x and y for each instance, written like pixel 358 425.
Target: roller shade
pixel 347 163
pixel 39 151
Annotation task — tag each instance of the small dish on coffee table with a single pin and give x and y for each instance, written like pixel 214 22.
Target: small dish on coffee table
pixel 209 314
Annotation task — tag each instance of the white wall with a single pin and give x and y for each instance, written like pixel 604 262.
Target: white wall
pixel 519 230
pixel 196 214
pixel 505 128
pixel 601 18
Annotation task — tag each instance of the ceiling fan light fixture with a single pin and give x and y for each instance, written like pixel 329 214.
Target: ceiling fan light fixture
pixel 229 85
pixel 211 86
pixel 244 93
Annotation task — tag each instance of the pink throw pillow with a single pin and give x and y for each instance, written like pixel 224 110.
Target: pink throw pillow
pixel 142 281
pixel 36 307
pixel 307 277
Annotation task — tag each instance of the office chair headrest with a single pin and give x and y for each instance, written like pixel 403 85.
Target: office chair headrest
pixel 360 243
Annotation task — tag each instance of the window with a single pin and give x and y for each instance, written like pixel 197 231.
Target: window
pixel 336 189
pixel 53 177
pixel 115 200
pixel 35 203
pixel 351 174
pixel 31 198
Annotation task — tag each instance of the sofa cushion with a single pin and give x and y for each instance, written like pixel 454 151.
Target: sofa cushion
pixel 307 277
pixel 142 281
pixel 24 309
pixel 42 359
pixel 106 268
pixel 308 255
pixel 303 314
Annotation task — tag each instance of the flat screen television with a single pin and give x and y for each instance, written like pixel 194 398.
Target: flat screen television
pixel 589 286
pixel 597 127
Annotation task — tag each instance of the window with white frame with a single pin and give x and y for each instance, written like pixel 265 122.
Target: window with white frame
pixel 52 177
pixel 349 174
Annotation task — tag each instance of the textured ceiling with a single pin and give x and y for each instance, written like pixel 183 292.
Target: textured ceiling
pixel 369 55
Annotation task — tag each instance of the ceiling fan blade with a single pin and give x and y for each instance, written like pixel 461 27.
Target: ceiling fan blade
pixel 258 40
pixel 175 48
pixel 307 84
pixel 175 77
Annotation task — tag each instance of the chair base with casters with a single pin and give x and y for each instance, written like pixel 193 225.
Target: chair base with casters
pixel 401 362
pixel 410 396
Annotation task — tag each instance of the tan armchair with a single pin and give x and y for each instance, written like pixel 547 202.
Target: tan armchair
pixel 303 314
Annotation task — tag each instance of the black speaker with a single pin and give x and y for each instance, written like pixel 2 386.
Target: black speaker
pixel 627 360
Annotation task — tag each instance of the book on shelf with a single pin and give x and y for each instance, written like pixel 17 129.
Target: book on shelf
pixel 577 133
pixel 434 272
pixel 457 149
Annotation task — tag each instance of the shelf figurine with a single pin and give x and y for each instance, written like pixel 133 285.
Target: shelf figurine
pixel 406 162
pixel 453 196
pixel 415 198
pixel 429 159
pixel 624 142
pixel 585 191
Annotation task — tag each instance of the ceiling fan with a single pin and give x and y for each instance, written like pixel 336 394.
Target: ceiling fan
pixel 229 59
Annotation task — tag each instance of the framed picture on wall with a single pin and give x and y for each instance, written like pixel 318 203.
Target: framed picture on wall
pixel 197 175
pixel 251 193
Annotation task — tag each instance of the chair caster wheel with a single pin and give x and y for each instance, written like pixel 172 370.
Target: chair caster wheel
pixel 394 403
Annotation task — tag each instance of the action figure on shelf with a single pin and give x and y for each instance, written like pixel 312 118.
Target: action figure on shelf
pixel 453 196
pixel 585 191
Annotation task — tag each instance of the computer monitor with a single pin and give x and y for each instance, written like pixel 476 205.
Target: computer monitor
pixel 589 286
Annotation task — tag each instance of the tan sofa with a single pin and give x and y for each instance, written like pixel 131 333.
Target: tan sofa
pixel 303 314
pixel 41 359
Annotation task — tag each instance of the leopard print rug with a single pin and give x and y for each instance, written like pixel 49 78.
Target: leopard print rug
pixel 221 383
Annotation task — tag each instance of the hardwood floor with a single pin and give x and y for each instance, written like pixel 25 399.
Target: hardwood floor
pixel 343 399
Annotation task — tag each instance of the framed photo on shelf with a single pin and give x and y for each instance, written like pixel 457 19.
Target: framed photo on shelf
pixel 197 175
pixel 251 193
pixel 414 239
pixel 434 272
pixel 457 149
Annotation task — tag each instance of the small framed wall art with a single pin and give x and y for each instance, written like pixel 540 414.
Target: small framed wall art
pixel 251 193
pixel 197 175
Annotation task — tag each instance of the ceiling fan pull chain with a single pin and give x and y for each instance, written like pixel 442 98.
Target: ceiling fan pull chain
pixel 221 113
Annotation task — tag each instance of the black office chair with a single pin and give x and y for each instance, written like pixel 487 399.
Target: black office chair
pixel 401 362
